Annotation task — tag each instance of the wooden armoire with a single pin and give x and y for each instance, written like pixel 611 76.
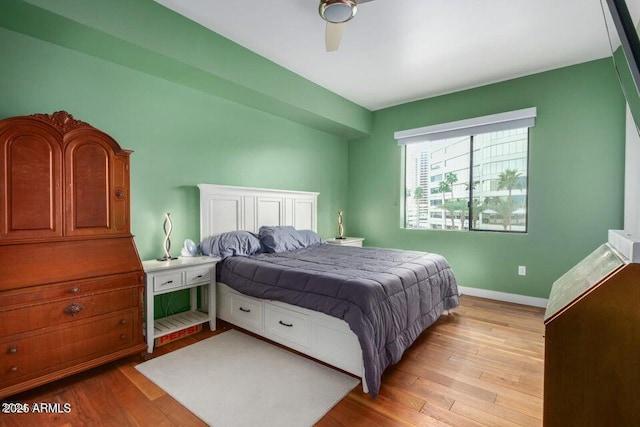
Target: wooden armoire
pixel 71 280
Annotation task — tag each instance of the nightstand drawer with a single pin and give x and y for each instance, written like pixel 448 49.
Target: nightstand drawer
pixel 347 241
pixel 198 275
pixel 170 280
pixel 287 324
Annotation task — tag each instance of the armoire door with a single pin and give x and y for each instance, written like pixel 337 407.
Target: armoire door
pixel 96 185
pixel 31 170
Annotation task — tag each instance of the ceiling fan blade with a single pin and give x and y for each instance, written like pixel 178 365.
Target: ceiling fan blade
pixel 332 36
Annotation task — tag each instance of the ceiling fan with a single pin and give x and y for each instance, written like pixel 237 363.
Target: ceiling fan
pixel 336 13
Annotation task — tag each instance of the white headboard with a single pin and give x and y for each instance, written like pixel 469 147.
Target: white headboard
pixel 227 208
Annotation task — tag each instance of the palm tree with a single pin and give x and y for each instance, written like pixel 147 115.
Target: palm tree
pixel 476 208
pixel 449 207
pixel 509 179
pixel 502 208
pixel 442 188
pixel 451 178
pixel 458 205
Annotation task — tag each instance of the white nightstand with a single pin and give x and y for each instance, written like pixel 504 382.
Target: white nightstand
pixel 347 241
pixel 169 276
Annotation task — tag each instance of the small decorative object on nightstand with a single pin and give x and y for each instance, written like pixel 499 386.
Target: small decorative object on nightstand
pixel 347 241
pixel 340 227
pixel 173 275
pixel 167 227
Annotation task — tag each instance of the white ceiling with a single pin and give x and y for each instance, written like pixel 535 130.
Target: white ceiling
pixel 395 51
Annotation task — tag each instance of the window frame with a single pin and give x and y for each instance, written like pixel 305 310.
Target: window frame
pixel 470 128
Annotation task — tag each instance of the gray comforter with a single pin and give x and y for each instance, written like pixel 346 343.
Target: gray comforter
pixel 388 297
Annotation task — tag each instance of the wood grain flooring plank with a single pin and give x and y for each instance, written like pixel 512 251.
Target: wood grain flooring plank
pixel 144 384
pixel 395 411
pixel 176 413
pixel 402 397
pixel 351 413
pixel 449 417
pixel 488 419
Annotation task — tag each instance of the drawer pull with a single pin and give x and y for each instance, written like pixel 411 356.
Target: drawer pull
pixel 288 325
pixel 246 310
pixel 122 321
pixel 74 290
pixel 169 282
pixel 13 369
pixel 123 336
pixel 12 350
pixel 199 276
pixel 73 309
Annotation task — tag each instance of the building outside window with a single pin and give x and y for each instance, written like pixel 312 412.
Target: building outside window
pixel 474 181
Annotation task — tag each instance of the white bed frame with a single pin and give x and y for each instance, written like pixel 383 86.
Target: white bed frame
pixel 326 338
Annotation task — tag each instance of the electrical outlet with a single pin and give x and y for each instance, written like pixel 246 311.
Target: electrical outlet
pixel 522 270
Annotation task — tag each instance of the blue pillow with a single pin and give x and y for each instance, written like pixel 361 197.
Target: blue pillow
pixel 280 238
pixel 233 243
pixel 310 237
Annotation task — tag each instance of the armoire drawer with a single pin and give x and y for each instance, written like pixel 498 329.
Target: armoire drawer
pixel 72 289
pixel 38 354
pixel 14 321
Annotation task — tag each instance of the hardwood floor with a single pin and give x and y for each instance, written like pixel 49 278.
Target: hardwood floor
pixel 481 365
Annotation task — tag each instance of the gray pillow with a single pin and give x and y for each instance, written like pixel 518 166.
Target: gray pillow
pixel 310 237
pixel 233 243
pixel 281 238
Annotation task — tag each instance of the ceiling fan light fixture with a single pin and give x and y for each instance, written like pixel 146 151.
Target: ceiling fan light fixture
pixel 338 11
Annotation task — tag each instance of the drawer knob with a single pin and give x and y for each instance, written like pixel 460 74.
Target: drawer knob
pixel 122 321
pixel 288 325
pixel 73 309
pixel 199 276
pixel 12 350
pixel 245 310
pixel 169 282
pixel 74 290
pixel 13 369
pixel 123 336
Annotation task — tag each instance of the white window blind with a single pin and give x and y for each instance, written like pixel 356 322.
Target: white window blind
pixel 478 125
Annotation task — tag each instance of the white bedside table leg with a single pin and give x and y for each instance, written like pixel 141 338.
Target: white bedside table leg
pixel 149 319
pixel 193 292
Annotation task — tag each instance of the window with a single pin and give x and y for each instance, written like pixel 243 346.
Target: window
pixel 481 178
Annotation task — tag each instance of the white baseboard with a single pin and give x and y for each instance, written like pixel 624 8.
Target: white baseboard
pixel 503 296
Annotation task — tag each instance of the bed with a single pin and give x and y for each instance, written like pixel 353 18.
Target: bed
pixel 354 308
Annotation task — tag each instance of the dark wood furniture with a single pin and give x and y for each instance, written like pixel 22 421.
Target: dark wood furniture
pixel 71 280
pixel 592 345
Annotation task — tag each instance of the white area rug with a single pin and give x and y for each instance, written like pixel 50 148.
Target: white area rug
pixel 233 379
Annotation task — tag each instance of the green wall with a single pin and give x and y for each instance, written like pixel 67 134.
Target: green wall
pixel 576 178
pixel 180 137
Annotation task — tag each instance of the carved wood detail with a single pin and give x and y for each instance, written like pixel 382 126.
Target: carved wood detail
pixel 62 120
